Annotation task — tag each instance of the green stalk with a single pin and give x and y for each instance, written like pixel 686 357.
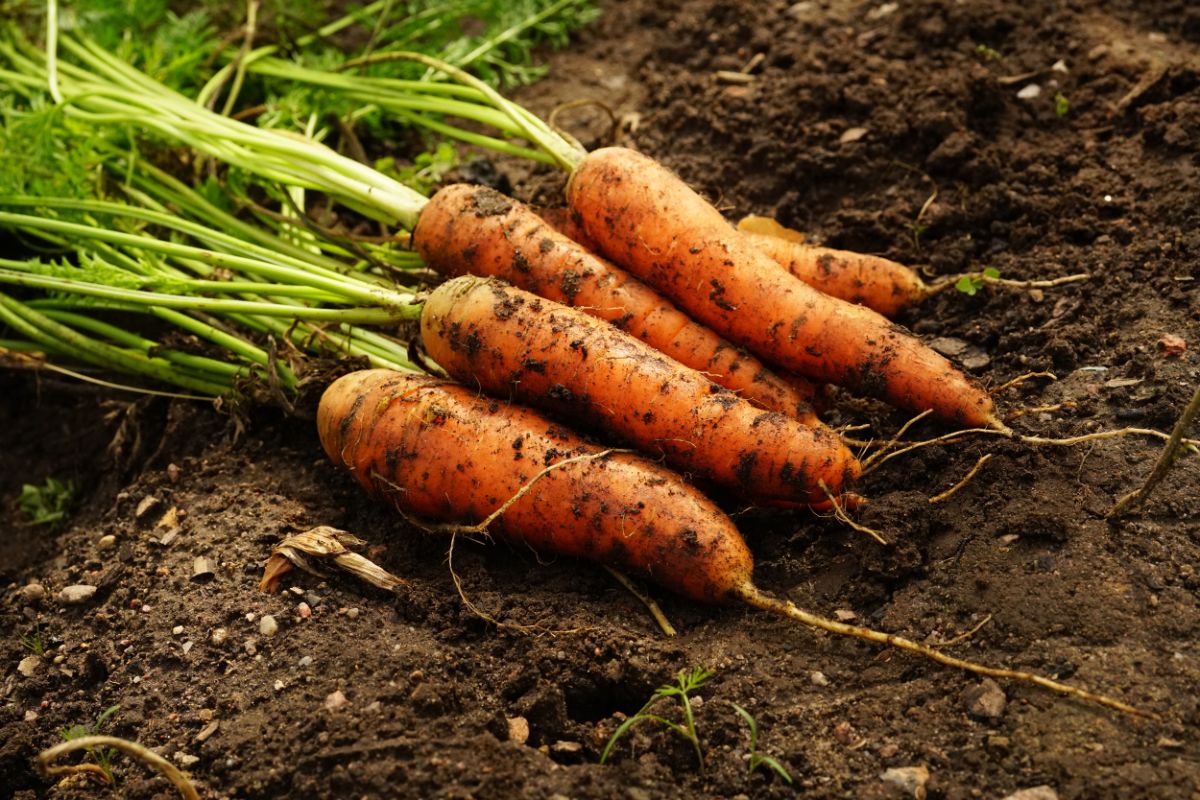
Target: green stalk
pixel 43 330
pixel 363 316
pixel 401 306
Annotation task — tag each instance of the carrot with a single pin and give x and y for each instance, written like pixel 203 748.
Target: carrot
pixel 442 452
pixel 511 343
pixel 877 283
pixel 645 218
pixel 476 230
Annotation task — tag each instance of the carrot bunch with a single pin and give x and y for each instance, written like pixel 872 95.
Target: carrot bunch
pixel 685 283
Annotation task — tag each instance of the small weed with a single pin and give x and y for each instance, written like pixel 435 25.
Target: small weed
pixel 46 504
pixel 101 755
pixel 427 169
pixel 756 759
pixel 1062 106
pixel 987 53
pixel 684 682
pixel 970 284
pixel 33 641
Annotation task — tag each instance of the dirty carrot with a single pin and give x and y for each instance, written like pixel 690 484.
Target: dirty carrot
pixel 511 343
pixel 476 230
pixel 645 218
pixel 443 453
pixel 877 283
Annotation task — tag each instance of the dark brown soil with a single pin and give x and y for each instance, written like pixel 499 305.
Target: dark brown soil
pixel 950 168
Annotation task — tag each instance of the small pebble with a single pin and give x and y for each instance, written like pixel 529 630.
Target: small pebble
pixel 518 730
pixel 33 593
pixel 852 135
pixel 31 715
pixel 172 473
pixel 148 504
pixel 184 759
pixel 306 661
pixel 985 700
pixel 335 700
pixel 177 630
pixel 187 647
pixel 168 537
pixel 267 626
pixel 207 731
pixel 1042 792
pixel 219 635
pixel 304 610
pixel 278 686
pixel 889 751
pixel 374 708
pixel 29 665
pixel 818 679
pixel 1029 92
pixel 909 780
pixel 205 714
pixel 76 594
pixel 106 542
pixel 202 569
pixel 352 613
pixel 250 646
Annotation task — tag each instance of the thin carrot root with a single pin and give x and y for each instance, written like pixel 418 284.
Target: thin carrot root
pixel 1020 379
pixel 1008 283
pixel 967 634
pixel 663 623
pixel 946 495
pixel 839 512
pixel 1024 412
pixel 1165 460
pixel 753 596
pixel 138 751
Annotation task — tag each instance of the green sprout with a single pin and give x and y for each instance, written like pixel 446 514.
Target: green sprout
pixel 988 53
pixel 33 641
pixel 101 755
pixel 684 682
pixel 971 283
pixel 756 759
pixel 1062 106
pixel 46 504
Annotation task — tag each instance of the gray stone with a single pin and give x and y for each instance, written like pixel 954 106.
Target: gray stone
pixel 76 594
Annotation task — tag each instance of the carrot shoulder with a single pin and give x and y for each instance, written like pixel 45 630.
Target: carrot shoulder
pixel 476 230
pixel 648 220
pixel 438 451
pixel 511 343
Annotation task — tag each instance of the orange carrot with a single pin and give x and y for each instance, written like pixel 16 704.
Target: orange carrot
pixel 514 344
pixel 476 230
pixel 877 283
pixel 441 452
pixel 645 218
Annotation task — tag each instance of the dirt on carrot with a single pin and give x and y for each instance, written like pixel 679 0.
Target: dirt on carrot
pixel 442 453
pixel 645 218
pixel 513 344
pixel 475 230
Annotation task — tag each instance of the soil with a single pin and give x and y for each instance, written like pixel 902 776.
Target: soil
pixel 904 129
